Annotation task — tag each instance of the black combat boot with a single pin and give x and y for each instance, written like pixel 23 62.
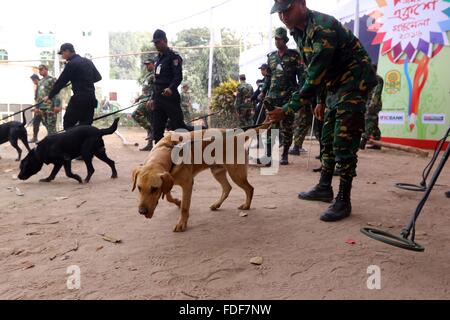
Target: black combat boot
pixel 267 159
pixel 374 147
pixel 295 151
pixel 285 156
pixel 342 207
pixel 149 145
pixel 447 194
pixel 363 144
pixel 321 192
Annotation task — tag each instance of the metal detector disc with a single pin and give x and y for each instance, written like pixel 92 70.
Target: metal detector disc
pixel 410 187
pixel 392 240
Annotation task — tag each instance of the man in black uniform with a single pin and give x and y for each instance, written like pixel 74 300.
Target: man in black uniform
pixel 82 73
pixel 166 103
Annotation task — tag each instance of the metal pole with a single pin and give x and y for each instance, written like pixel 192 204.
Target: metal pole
pixel 211 61
pixel 356 31
pixel 269 36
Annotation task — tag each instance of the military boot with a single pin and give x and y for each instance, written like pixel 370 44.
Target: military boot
pixel 363 144
pixel 149 145
pixel 285 156
pixel 295 151
pixel 267 159
pixel 342 207
pixel 321 192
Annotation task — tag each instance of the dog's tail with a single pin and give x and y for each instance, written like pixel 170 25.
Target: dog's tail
pixel 24 121
pixel 110 130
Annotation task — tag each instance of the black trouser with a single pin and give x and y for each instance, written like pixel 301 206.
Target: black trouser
pixel 80 110
pixel 36 123
pixel 167 108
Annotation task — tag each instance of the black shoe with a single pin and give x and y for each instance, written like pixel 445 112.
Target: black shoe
pixel 148 147
pixel 318 158
pixel 363 144
pixel 342 207
pixel 317 170
pixel 295 151
pixel 447 194
pixel 265 161
pixel 374 148
pixel 34 140
pixel 321 192
pixel 285 157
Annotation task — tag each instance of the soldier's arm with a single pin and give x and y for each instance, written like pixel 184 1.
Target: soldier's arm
pixel 375 97
pixel 323 50
pixel 62 81
pixel 177 73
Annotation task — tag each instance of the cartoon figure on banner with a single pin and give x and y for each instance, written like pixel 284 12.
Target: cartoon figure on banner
pixel 406 28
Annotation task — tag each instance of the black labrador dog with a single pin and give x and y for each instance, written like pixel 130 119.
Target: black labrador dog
pixel 12 132
pixel 61 149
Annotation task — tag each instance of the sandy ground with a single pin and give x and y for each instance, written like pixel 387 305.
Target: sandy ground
pixel 303 257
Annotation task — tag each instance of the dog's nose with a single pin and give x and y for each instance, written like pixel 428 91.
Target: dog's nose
pixel 143 211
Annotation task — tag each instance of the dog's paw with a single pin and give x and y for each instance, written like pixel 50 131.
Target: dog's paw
pixel 114 176
pixel 180 227
pixel 215 207
pixel 244 207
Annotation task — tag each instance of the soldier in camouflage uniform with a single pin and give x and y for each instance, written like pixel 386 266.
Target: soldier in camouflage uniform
pixel 143 115
pixel 186 103
pixel 49 110
pixel 286 70
pixel 243 103
pixel 374 107
pixel 37 118
pixel 336 59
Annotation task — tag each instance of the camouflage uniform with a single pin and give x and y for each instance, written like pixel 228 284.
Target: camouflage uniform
pixel 335 58
pixel 374 107
pixel 142 115
pixel 302 126
pixel 186 106
pixel 283 82
pixel 243 105
pixel 46 110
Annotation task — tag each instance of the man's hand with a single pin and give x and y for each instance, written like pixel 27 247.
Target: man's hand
pixel 319 112
pixel 167 92
pixel 56 110
pixel 46 100
pixel 276 115
pixel 150 105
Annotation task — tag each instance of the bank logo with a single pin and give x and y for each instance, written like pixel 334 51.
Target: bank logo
pixel 392 118
pixel 433 119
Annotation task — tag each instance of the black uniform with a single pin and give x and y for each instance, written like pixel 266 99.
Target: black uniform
pixel 82 73
pixel 168 74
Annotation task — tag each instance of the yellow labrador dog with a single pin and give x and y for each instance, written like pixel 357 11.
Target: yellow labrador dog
pixel 156 178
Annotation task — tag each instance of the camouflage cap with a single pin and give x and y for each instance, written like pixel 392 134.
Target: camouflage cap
pixel 281 5
pixel 264 66
pixel 148 61
pixel 281 33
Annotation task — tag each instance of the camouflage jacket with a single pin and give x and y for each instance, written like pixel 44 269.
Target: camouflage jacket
pixel 244 95
pixel 43 89
pixel 286 72
pixel 335 60
pixel 147 86
pixel 186 101
pixel 375 104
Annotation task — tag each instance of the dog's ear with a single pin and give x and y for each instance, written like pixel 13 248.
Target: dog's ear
pixel 167 183
pixel 134 176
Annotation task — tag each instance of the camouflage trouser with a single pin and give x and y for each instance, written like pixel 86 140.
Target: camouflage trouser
pixel 343 127
pixel 245 116
pixel 302 126
pixel 49 120
pixel 186 114
pixel 286 126
pixel 142 116
pixel 372 128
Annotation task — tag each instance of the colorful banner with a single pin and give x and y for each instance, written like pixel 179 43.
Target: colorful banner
pixel 415 61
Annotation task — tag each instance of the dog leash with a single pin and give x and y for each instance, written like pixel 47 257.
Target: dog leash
pixel 19 112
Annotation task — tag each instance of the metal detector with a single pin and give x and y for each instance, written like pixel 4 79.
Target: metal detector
pixel 422 187
pixel 406 240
